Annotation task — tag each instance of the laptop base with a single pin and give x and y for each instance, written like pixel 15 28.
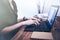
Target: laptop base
pixel 42 27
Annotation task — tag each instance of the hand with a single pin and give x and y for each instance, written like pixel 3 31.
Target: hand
pixel 30 22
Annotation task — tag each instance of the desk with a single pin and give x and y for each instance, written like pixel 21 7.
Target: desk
pixel 23 35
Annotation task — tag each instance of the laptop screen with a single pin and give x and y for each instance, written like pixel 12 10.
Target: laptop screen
pixel 52 14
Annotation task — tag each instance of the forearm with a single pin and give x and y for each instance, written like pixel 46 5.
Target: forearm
pixel 12 27
pixel 15 26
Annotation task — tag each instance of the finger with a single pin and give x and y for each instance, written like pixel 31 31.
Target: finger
pixel 36 22
pixel 36 19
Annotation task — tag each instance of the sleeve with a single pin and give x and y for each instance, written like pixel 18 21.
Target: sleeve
pixel 14 5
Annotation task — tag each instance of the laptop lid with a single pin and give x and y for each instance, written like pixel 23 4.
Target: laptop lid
pixel 52 15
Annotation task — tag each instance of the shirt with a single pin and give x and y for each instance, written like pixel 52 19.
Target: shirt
pixel 8 17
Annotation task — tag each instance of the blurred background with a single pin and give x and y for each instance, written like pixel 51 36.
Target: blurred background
pixel 29 8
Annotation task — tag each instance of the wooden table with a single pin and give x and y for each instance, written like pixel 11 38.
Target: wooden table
pixel 23 35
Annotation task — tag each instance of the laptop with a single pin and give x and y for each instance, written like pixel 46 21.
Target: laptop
pixel 45 26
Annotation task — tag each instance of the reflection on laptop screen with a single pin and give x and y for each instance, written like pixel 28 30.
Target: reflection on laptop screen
pixel 52 15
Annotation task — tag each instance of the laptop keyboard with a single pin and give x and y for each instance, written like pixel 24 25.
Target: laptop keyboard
pixel 41 27
pixel 30 28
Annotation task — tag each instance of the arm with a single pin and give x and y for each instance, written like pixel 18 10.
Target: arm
pixel 24 18
pixel 15 26
pixel 12 27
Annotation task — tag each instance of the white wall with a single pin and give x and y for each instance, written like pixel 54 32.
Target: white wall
pixel 29 7
pixel 26 8
pixel 48 3
pixel 57 2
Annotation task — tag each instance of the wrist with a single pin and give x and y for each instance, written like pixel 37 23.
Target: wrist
pixel 24 19
pixel 23 24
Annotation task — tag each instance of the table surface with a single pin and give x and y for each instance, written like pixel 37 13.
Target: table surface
pixel 23 35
